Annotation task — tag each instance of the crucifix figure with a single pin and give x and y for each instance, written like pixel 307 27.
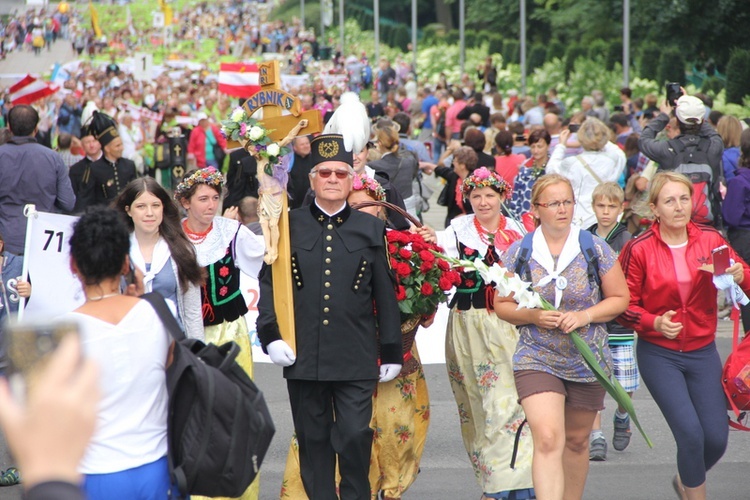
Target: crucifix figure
pixel 272 202
pixel 272 192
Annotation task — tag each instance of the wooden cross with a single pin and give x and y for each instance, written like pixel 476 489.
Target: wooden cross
pixel 274 101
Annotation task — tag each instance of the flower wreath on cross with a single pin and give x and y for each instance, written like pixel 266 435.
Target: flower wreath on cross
pixel 254 137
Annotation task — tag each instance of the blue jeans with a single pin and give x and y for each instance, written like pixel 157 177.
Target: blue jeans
pixel 687 388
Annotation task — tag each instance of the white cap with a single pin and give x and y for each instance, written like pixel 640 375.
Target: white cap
pixel 200 115
pixel 690 110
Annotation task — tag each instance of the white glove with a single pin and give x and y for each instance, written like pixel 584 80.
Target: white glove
pixel 388 372
pixel 280 353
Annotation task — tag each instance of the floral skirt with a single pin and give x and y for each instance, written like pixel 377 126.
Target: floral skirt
pixel 400 417
pixel 235 331
pixel 479 349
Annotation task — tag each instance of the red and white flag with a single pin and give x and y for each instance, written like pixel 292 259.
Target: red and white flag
pixel 30 89
pixel 239 79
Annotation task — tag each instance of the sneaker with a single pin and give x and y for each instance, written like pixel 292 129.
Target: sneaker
pixel 621 439
pixel 598 449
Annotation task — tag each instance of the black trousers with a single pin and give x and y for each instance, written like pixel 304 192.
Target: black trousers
pixel 330 419
pixel 739 238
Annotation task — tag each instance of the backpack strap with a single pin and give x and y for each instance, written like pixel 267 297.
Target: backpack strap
pixel 589 169
pixel 165 315
pixel 586 242
pixel 524 256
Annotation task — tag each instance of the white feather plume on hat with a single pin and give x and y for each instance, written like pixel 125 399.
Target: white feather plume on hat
pixel 351 121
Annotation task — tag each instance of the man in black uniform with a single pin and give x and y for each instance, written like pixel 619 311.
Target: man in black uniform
pixel 299 182
pixel 80 172
pixel 110 173
pixel 242 177
pixel 344 307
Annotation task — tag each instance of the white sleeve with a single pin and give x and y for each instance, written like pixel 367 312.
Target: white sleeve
pixel 554 165
pixel 447 240
pixel 617 156
pixel 248 251
pixel 192 314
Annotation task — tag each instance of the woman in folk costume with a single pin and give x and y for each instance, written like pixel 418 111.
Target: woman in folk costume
pixel 399 405
pixel 479 346
pixel 223 247
pixel 160 249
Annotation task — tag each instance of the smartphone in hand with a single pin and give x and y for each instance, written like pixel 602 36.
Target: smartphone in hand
pixel 674 92
pixel 720 257
pixel 28 346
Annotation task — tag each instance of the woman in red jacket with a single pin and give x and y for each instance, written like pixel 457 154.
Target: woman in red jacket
pixel 206 143
pixel 673 309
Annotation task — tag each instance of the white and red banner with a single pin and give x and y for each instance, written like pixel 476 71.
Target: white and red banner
pixel 30 89
pixel 138 112
pixel 239 79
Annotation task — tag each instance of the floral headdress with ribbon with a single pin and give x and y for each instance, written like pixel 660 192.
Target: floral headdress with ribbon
pixel 483 177
pixel 209 176
pixel 253 136
pixel 361 182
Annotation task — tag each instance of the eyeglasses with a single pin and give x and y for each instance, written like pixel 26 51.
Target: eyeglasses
pixel 555 205
pixel 325 173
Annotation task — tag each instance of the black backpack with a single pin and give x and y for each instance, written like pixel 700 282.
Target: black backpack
pixel 218 427
pixel 692 161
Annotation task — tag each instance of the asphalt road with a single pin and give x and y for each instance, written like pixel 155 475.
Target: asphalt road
pixel 638 473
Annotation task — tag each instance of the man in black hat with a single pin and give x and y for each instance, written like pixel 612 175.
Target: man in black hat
pixel 110 173
pixel 344 309
pixel 80 172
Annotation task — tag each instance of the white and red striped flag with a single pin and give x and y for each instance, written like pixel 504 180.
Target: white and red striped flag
pixel 30 89
pixel 239 79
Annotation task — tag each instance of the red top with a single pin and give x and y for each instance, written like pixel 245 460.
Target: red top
pixel 508 167
pixel 649 268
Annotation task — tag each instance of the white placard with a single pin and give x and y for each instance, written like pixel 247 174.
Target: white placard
pixel 54 288
pixel 143 65
pixel 158 19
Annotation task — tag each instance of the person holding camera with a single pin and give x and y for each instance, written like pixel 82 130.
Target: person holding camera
pixel 696 151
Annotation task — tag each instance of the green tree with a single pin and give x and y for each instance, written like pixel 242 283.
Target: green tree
pixel 573 52
pixel 614 54
pixel 672 66
pixel 511 51
pixel 555 49
pixel 648 61
pixel 537 56
pixel 738 76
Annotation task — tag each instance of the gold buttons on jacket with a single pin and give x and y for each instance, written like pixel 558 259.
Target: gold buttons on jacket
pixel 329 237
pixel 326 297
pixel 328 260
pixel 328 272
pixel 325 322
pixel 327 284
pixel 329 226
pixel 329 249
pixel 326 309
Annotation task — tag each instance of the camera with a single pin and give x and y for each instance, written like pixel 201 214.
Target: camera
pixel 674 92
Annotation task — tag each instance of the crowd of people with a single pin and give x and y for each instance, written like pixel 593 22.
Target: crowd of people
pixel 608 213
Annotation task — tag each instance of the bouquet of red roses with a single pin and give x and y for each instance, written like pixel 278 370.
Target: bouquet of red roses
pixel 423 279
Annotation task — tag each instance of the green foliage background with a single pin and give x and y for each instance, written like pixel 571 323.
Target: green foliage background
pixel 573 45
